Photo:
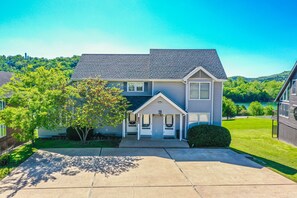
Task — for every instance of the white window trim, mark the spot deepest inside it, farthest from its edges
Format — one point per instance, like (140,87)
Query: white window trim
(294,80)
(135,89)
(209,121)
(209,93)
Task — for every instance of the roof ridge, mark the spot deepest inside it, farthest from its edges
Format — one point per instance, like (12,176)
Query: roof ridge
(116,54)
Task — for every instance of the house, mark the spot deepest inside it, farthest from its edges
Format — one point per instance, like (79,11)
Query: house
(287,109)
(169,90)
(6,139)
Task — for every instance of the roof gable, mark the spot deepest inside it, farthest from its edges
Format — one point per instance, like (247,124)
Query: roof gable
(291,75)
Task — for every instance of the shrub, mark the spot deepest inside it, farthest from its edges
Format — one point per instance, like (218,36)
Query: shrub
(243,112)
(72,134)
(4,159)
(268,110)
(256,109)
(209,136)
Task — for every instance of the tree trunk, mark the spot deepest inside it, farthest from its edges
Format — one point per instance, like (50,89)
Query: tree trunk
(77,131)
(32,137)
(85,135)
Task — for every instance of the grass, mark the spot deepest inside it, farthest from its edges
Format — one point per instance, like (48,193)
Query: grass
(253,136)
(17,156)
(20,154)
(49,143)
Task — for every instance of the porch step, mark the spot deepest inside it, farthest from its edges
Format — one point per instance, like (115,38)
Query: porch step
(153,143)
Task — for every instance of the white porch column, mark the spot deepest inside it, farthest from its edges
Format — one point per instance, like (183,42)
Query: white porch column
(138,126)
(180,126)
(124,128)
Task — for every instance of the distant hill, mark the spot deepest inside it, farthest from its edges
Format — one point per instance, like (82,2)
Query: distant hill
(278,77)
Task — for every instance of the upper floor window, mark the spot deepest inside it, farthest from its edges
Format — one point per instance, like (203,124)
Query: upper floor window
(294,87)
(135,86)
(286,94)
(199,90)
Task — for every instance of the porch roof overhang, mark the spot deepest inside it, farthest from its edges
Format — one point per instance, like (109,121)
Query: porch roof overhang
(175,106)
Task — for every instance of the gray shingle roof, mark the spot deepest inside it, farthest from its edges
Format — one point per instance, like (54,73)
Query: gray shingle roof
(159,64)
(4,77)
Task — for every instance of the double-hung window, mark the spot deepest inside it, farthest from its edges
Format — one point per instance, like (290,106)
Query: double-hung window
(135,86)
(199,90)
(198,119)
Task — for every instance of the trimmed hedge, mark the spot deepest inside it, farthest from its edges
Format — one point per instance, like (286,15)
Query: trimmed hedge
(72,134)
(209,136)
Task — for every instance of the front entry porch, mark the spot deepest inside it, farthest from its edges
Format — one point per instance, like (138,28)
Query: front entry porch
(130,141)
(158,118)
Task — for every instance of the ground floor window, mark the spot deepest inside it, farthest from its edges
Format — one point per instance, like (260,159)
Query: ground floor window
(198,119)
(284,110)
(2,131)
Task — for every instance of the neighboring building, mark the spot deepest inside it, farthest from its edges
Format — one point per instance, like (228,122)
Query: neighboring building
(6,139)
(287,109)
(170,89)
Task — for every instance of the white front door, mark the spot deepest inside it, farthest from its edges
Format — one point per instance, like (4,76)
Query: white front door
(146,124)
(131,123)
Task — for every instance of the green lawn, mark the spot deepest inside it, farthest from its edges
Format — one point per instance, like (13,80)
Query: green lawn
(17,156)
(253,136)
(48,143)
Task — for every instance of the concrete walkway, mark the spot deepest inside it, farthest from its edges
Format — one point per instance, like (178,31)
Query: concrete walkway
(132,142)
(136,172)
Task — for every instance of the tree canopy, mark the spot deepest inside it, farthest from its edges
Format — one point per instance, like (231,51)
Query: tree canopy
(34,99)
(240,90)
(93,104)
(17,63)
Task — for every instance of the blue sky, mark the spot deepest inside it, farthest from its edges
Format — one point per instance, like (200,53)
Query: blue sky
(252,37)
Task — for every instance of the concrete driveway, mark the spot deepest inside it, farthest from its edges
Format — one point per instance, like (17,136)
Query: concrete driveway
(135,172)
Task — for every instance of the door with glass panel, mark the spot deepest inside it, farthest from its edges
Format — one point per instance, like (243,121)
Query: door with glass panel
(169,125)
(131,123)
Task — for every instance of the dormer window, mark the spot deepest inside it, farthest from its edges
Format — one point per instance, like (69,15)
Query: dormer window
(135,86)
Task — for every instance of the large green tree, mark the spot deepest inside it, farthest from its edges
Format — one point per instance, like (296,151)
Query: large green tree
(229,108)
(94,104)
(34,99)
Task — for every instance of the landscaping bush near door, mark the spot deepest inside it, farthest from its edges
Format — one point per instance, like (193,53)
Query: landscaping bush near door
(209,136)
(72,134)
